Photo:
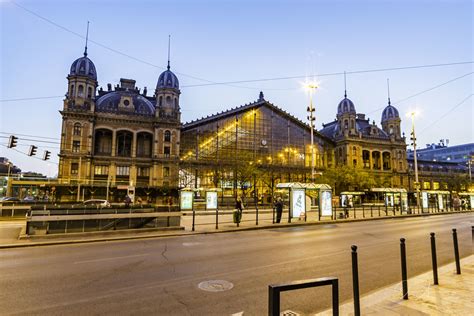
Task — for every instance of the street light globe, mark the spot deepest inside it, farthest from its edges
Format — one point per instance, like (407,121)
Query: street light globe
(310,86)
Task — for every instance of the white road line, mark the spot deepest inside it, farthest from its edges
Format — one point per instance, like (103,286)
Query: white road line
(111,258)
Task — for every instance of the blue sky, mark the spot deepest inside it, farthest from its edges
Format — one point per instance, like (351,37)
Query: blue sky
(224,41)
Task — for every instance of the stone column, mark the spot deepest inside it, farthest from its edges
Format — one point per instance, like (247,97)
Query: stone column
(114,142)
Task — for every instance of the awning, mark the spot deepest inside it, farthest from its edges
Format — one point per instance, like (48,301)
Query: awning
(436,192)
(307,186)
(389,190)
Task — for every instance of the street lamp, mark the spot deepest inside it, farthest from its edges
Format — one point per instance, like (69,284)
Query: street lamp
(310,87)
(412,114)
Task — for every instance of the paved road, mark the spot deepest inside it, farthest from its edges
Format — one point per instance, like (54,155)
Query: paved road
(161,276)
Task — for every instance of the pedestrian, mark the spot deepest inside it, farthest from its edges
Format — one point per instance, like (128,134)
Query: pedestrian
(128,200)
(239,206)
(279,209)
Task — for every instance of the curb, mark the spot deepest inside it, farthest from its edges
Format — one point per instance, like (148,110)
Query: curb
(236,229)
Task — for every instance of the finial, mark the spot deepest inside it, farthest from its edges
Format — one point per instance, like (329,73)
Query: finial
(169,45)
(388,90)
(260,96)
(345,88)
(87,37)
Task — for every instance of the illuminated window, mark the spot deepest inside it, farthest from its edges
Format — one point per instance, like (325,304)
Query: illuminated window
(426,185)
(143,172)
(123,170)
(74,168)
(77,129)
(101,170)
(76,146)
(166,171)
(435,185)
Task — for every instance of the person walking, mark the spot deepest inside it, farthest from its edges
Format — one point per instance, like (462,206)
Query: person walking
(239,206)
(279,209)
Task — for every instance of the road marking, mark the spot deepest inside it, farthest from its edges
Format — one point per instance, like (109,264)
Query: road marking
(111,258)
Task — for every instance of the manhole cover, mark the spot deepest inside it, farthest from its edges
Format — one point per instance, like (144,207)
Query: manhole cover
(289,313)
(215,285)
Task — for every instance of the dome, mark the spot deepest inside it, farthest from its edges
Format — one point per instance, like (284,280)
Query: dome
(167,79)
(110,103)
(346,106)
(390,112)
(83,67)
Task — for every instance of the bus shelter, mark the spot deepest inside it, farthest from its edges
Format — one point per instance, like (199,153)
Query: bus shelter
(467,200)
(435,199)
(351,198)
(300,195)
(392,197)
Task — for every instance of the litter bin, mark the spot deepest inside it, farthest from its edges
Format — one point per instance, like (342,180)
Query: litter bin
(237,216)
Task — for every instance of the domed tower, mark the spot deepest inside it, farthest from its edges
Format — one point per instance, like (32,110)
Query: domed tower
(82,84)
(346,117)
(391,120)
(167,96)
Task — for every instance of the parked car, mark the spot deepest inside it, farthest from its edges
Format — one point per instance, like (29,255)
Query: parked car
(29,199)
(97,203)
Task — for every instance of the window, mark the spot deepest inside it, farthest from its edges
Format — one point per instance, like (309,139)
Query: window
(123,170)
(176,103)
(167,136)
(101,170)
(144,144)
(72,91)
(124,143)
(80,91)
(346,124)
(354,162)
(143,172)
(167,151)
(160,101)
(74,168)
(426,185)
(89,93)
(354,150)
(400,166)
(168,101)
(435,185)
(77,129)
(166,171)
(103,142)
(76,146)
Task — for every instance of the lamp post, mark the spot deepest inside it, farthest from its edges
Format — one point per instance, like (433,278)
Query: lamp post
(310,87)
(415,158)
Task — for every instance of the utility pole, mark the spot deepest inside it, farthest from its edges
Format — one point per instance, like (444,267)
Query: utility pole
(415,158)
(311,87)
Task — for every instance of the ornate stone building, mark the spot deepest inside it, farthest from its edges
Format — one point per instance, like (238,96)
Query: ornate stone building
(120,137)
(362,144)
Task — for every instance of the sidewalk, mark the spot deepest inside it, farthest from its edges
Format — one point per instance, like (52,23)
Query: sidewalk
(453,296)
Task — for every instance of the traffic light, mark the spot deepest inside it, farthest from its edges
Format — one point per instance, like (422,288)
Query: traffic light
(46,155)
(12,141)
(32,150)
(413,139)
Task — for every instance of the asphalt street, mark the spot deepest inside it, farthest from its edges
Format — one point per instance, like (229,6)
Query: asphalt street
(162,276)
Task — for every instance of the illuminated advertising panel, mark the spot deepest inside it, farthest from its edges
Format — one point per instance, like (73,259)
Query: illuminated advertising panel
(211,200)
(186,200)
(471,198)
(325,203)
(424,199)
(440,202)
(297,203)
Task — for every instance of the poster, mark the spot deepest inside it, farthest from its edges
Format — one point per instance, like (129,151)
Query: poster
(297,202)
(424,199)
(404,197)
(440,202)
(211,200)
(325,203)
(186,202)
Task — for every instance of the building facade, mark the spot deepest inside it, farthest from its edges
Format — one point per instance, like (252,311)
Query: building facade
(120,137)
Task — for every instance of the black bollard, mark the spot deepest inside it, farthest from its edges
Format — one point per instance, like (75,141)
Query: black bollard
(434,261)
(403,256)
(194,215)
(355,281)
(456,251)
(217,218)
(273,215)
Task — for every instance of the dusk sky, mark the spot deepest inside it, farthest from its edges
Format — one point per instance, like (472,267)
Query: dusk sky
(226,41)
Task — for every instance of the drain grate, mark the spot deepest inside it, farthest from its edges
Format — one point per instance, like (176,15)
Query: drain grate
(215,285)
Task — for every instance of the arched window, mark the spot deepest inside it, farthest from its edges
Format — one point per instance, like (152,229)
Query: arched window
(103,142)
(80,90)
(176,103)
(167,136)
(72,93)
(124,143)
(160,101)
(354,150)
(352,124)
(77,129)
(168,101)
(346,124)
(89,93)
(144,141)
(390,129)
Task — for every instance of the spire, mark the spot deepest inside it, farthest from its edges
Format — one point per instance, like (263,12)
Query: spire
(169,45)
(87,38)
(388,91)
(345,88)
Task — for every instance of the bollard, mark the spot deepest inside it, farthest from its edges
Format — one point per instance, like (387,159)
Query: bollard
(472,229)
(355,281)
(434,261)
(403,257)
(217,218)
(194,214)
(456,251)
(256,216)
(273,215)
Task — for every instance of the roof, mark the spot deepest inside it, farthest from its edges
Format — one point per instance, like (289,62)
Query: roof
(261,102)
(110,101)
(363,126)
(307,186)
